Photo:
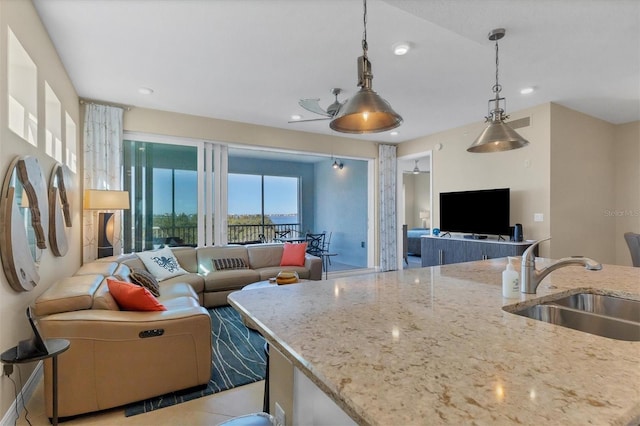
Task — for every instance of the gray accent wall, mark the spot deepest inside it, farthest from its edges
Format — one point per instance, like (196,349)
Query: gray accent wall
(341,208)
(331,200)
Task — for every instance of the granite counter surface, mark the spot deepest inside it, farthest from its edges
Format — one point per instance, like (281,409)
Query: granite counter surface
(434,346)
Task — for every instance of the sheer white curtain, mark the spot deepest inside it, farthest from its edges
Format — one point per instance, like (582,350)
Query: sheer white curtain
(388,223)
(102,156)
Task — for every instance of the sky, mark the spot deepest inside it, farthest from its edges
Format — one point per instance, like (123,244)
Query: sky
(280,193)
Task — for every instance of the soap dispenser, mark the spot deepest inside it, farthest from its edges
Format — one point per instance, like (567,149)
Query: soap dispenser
(510,281)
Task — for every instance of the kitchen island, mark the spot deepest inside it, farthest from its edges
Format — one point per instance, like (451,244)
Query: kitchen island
(434,346)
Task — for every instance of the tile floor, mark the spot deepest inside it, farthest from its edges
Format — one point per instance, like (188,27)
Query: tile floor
(210,410)
(413,262)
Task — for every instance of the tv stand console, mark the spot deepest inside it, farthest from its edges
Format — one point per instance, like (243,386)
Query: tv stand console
(443,251)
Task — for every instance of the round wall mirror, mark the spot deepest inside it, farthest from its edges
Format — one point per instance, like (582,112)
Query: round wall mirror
(24,222)
(59,209)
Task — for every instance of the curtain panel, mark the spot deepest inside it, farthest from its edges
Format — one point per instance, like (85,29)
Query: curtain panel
(388,220)
(103,133)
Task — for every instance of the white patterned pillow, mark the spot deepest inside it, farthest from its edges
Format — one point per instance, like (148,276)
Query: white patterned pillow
(161,263)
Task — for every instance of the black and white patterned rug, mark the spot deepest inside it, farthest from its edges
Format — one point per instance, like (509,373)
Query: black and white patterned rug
(238,359)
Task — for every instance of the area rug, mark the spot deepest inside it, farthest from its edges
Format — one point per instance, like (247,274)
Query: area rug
(238,359)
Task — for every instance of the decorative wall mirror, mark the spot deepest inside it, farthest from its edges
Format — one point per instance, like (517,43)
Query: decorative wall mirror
(59,209)
(24,222)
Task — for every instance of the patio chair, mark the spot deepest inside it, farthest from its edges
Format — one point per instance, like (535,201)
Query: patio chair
(327,243)
(174,241)
(280,233)
(315,244)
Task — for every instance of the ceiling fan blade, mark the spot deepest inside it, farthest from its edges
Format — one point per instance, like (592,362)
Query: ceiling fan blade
(311,119)
(334,108)
(313,105)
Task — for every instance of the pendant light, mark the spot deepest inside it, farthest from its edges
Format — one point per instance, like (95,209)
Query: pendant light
(366,111)
(416,169)
(498,136)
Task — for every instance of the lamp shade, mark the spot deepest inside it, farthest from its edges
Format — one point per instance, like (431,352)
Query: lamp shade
(365,112)
(97,199)
(498,136)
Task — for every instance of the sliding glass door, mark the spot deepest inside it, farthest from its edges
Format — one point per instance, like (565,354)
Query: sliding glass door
(162,180)
(183,194)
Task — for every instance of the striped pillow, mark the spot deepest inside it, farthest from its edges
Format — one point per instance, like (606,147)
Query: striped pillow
(145,279)
(229,263)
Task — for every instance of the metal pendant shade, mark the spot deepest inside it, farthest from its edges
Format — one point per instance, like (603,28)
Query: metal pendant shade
(366,111)
(498,136)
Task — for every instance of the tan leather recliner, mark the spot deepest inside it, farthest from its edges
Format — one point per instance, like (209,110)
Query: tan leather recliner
(119,357)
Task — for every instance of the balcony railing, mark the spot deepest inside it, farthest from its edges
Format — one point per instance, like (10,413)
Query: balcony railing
(237,234)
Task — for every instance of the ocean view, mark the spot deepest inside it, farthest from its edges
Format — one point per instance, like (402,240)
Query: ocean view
(280,219)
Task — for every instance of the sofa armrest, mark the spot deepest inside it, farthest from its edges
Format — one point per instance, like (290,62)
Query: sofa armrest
(314,265)
(119,357)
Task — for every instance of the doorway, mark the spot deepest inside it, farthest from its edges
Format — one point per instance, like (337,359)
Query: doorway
(414,206)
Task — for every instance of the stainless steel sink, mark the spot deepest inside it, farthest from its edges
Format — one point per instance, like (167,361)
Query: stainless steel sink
(606,316)
(611,306)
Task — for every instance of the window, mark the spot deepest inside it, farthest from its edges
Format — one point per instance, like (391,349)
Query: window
(53,123)
(261,207)
(22,79)
(162,180)
(70,143)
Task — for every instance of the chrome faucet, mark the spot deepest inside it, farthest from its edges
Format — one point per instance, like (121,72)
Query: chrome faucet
(530,277)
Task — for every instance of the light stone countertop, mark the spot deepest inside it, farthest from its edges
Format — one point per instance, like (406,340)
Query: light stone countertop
(434,346)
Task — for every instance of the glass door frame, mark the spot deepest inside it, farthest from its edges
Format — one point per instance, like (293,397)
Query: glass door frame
(206,150)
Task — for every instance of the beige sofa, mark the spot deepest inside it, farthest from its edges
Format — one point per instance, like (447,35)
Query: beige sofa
(117,357)
(213,286)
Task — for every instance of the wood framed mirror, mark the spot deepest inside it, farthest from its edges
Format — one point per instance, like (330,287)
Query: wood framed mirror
(59,209)
(24,222)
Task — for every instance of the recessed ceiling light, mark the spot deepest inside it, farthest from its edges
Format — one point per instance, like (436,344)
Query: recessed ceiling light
(145,91)
(394,133)
(296,117)
(527,90)
(401,48)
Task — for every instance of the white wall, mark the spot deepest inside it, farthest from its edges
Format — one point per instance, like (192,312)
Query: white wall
(581,173)
(23,20)
(626,210)
(582,185)
(526,171)
(183,125)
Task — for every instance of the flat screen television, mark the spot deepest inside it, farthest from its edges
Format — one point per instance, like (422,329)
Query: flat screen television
(482,212)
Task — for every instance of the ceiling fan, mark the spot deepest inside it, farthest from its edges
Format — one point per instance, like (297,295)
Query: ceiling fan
(416,170)
(313,105)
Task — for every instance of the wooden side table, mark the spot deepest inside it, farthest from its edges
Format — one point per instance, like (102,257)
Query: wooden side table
(55,348)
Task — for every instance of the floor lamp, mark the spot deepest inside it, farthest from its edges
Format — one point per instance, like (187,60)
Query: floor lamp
(105,201)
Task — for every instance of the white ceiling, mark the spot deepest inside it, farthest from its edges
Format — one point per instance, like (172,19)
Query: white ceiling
(252,60)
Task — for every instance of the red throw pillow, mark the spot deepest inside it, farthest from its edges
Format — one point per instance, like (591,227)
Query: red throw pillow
(293,254)
(132,297)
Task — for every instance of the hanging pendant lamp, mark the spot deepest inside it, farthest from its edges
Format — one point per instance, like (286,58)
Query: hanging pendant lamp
(498,136)
(366,111)
(416,169)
